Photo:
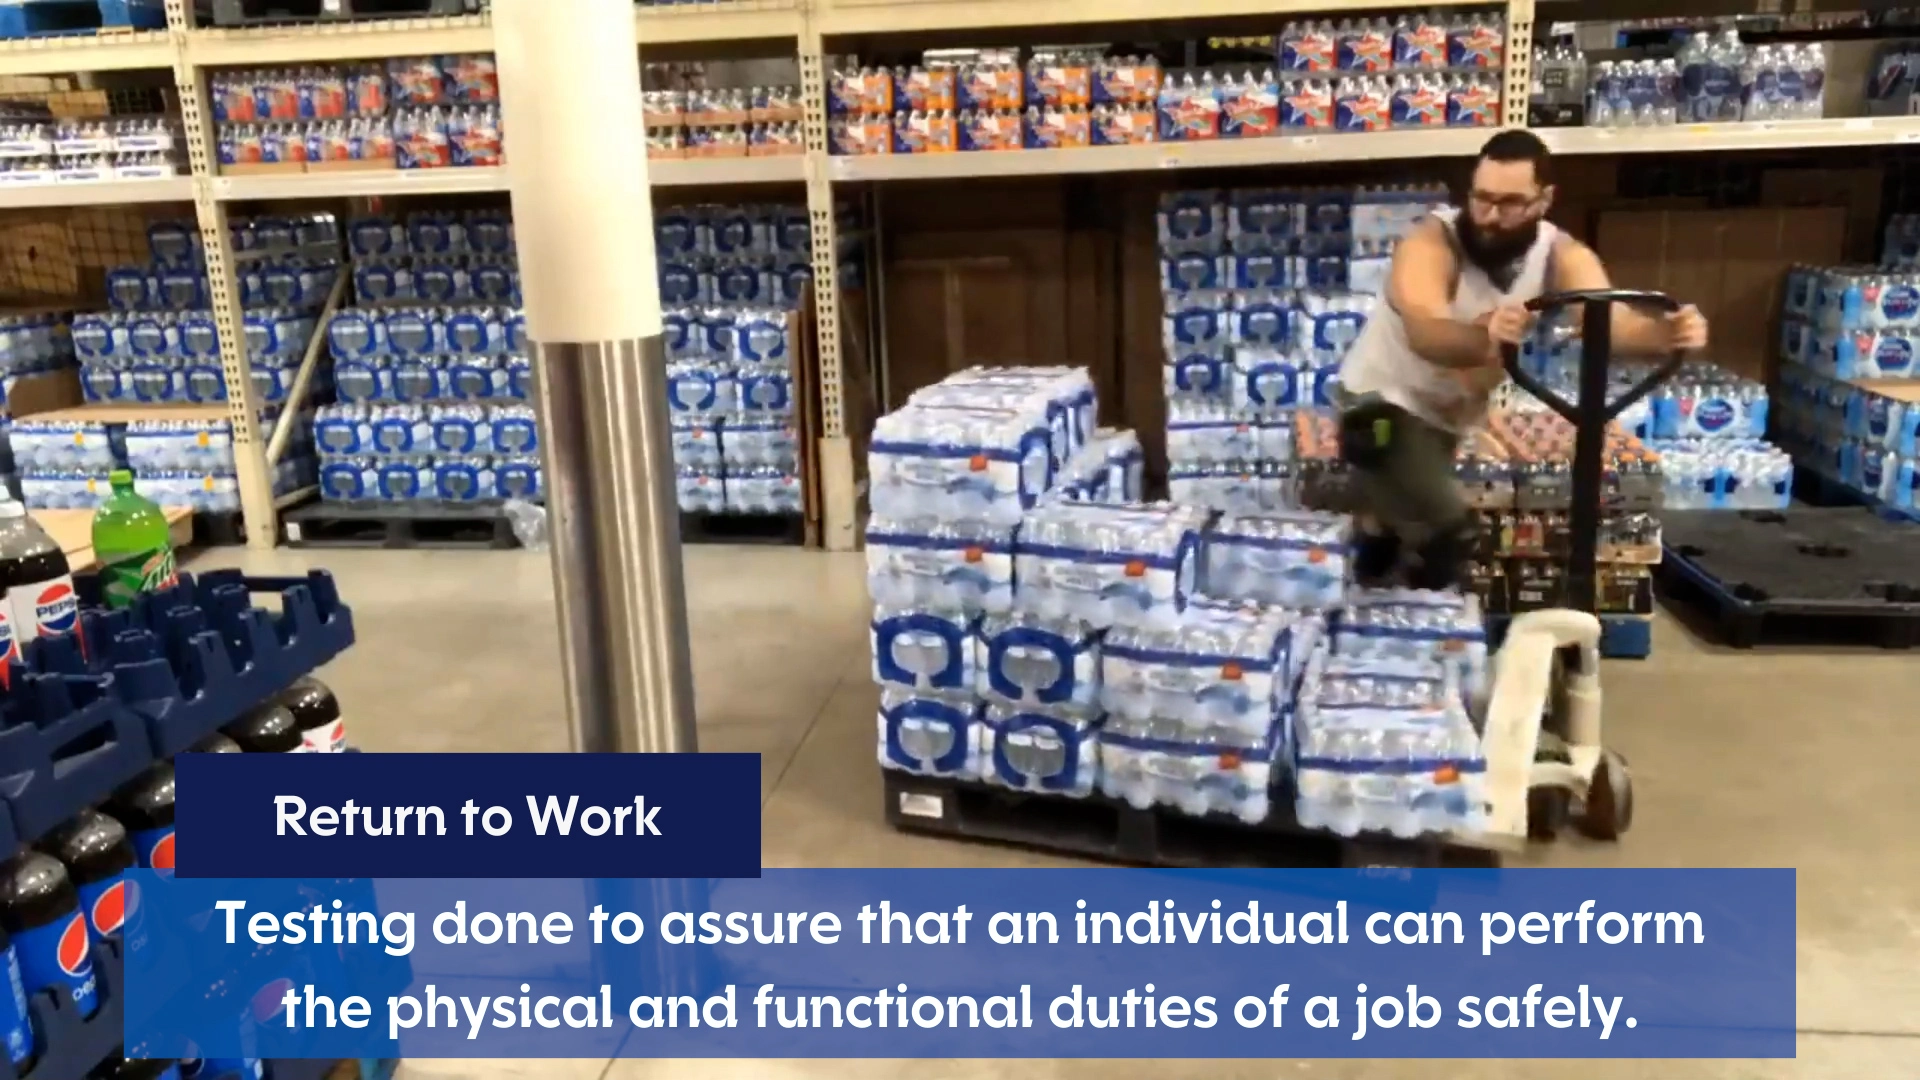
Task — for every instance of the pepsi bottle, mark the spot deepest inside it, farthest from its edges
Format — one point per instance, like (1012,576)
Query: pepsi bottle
(317,712)
(16,1024)
(145,807)
(39,597)
(96,851)
(268,729)
(41,911)
(215,743)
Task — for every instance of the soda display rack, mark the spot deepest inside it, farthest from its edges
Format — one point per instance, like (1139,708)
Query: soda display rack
(811,29)
(153,680)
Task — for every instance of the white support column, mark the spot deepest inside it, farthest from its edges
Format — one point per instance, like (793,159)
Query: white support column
(570,103)
(223,291)
(835,450)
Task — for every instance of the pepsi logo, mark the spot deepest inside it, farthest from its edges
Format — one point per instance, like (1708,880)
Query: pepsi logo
(161,857)
(109,912)
(72,955)
(270,1000)
(56,609)
(1713,414)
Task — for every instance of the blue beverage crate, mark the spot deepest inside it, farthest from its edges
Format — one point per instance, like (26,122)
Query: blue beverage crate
(53,18)
(66,742)
(192,658)
(66,1044)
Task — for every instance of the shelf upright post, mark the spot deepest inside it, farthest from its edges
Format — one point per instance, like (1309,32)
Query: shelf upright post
(1519,64)
(223,290)
(838,493)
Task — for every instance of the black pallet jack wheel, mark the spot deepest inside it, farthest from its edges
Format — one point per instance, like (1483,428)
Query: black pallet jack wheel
(1549,808)
(1608,813)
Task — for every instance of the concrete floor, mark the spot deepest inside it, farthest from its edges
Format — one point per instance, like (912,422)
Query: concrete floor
(1776,758)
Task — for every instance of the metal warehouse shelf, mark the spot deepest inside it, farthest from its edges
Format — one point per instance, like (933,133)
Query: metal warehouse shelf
(310,42)
(1223,153)
(893,16)
(359,184)
(806,27)
(103,52)
(96,193)
(1763,135)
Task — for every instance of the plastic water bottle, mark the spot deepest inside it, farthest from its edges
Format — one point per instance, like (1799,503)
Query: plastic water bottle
(130,538)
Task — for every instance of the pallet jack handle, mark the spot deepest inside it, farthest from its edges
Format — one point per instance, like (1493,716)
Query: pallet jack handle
(1590,414)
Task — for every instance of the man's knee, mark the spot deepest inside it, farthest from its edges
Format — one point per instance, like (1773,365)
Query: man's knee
(1447,555)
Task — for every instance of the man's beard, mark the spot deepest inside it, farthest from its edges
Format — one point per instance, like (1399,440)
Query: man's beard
(1495,250)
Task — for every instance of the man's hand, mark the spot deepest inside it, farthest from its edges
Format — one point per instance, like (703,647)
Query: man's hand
(1509,324)
(1687,328)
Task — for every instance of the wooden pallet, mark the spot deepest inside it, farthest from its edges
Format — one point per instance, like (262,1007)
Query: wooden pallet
(482,527)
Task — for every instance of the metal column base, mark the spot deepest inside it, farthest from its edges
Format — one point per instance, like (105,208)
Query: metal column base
(614,522)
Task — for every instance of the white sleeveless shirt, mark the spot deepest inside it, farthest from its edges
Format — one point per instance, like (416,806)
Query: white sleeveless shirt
(1382,362)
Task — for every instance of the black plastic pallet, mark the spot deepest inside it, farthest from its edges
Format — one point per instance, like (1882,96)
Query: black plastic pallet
(1823,575)
(219,530)
(1816,488)
(1109,830)
(404,525)
(704,528)
(257,12)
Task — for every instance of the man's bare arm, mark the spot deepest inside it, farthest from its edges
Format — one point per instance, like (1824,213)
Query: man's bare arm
(1419,288)
(1577,268)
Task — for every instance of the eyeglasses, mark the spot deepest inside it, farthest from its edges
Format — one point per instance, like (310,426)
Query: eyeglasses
(1509,207)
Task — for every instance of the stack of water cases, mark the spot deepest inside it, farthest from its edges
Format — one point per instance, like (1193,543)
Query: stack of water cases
(64,464)
(430,367)
(731,279)
(1710,78)
(157,342)
(1850,386)
(1038,627)
(30,345)
(1263,292)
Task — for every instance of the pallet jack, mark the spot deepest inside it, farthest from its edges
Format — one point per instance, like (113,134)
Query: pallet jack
(1546,764)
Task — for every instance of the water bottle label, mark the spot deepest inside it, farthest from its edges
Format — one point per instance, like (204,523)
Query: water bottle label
(155,849)
(328,739)
(125,577)
(48,607)
(59,955)
(105,905)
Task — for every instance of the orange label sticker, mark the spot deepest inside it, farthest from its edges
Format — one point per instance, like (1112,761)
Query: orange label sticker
(1316,555)
(1136,568)
(1229,760)
(974,554)
(1446,774)
(1230,671)
(1453,645)
(977,463)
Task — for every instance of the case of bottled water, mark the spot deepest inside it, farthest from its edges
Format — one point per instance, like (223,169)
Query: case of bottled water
(700,492)
(1220,665)
(928,563)
(1108,469)
(1704,401)
(1385,744)
(1725,474)
(1109,565)
(962,463)
(762,489)
(1050,749)
(1415,625)
(927,649)
(1067,392)
(1207,771)
(1030,659)
(1296,559)
(1233,487)
(1216,434)
(932,733)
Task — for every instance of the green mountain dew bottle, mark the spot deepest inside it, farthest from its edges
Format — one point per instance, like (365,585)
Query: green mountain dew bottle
(130,540)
